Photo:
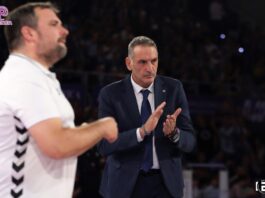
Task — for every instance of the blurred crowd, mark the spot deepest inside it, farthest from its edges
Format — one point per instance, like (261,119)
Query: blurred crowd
(219,58)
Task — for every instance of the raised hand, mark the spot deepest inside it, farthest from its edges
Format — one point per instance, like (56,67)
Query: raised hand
(152,121)
(110,129)
(169,124)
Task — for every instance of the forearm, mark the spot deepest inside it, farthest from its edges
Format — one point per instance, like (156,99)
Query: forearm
(78,140)
(58,142)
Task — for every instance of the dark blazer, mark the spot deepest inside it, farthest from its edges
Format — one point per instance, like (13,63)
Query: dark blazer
(125,154)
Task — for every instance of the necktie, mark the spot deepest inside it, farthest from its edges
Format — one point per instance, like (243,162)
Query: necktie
(147,162)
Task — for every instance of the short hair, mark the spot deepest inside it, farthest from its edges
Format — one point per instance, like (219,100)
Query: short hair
(23,15)
(140,40)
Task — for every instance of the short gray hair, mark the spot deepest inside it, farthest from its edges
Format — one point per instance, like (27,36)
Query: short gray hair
(140,40)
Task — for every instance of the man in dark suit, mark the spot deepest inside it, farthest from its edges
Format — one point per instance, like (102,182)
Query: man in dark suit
(154,129)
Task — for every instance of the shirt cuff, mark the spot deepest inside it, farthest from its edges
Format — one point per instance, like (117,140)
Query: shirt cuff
(139,138)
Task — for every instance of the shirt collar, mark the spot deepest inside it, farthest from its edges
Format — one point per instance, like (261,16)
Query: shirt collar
(137,88)
(41,67)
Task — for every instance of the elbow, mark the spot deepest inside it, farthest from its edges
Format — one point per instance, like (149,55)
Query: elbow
(188,144)
(192,145)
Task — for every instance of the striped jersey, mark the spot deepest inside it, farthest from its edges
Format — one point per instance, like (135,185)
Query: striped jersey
(30,93)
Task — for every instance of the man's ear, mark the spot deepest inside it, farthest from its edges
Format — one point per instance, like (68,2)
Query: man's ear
(128,63)
(28,33)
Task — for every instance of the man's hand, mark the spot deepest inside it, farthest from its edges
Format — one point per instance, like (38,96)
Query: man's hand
(110,129)
(169,125)
(152,121)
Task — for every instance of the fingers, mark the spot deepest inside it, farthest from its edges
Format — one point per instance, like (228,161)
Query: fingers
(174,115)
(177,112)
(152,121)
(161,106)
(169,125)
(170,122)
(159,110)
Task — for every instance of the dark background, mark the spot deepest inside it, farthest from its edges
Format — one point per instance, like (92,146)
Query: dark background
(215,47)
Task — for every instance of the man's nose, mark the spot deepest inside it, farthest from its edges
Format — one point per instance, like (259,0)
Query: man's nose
(149,66)
(65,31)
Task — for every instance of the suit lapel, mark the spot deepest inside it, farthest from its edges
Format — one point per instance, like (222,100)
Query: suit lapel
(130,102)
(160,91)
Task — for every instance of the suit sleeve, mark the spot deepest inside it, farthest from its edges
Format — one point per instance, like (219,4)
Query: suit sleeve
(187,140)
(126,139)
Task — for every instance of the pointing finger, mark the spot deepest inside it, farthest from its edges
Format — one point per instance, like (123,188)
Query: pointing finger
(177,112)
(161,106)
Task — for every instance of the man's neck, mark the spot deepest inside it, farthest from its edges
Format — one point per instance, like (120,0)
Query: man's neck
(33,56)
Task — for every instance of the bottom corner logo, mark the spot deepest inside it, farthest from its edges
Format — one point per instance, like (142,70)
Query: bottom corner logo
(260,186)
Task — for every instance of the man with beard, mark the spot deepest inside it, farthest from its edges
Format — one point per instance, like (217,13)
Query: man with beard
(154,129)
(39,142)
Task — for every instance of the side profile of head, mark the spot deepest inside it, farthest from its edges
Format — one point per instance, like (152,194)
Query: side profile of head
(142,60)
(37,31)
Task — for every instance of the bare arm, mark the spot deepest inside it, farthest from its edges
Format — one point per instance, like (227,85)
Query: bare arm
(58,142)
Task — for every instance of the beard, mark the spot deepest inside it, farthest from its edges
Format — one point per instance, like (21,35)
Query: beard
(53,55)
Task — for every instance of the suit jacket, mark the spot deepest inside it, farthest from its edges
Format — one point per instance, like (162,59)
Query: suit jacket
(125,154)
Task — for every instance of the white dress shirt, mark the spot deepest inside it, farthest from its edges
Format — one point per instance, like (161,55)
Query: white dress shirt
(151,98)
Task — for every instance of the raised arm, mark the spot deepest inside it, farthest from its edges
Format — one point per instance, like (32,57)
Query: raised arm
(58,142)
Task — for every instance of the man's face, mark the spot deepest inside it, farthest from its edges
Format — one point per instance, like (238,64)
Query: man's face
(51,36)
(143,64)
